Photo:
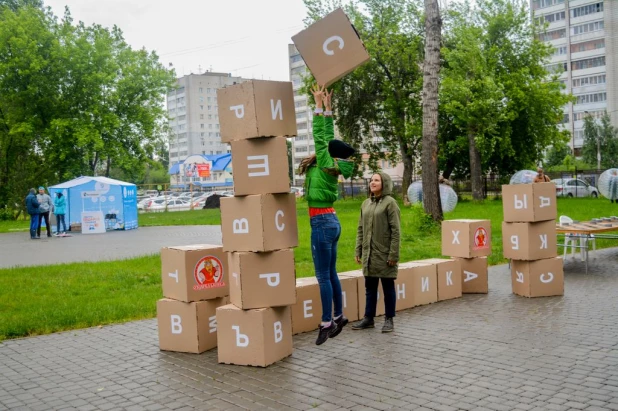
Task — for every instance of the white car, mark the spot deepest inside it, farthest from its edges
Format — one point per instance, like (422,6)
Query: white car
(170,205)
(574,187)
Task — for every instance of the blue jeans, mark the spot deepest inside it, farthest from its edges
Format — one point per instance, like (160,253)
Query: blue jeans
(60,218)
(34,224)
(325,232)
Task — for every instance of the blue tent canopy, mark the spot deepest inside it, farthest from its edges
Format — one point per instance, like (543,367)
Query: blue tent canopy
(114,200)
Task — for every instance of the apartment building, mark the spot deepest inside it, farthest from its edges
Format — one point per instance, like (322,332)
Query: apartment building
(193,116)
(303,145)
(583,34)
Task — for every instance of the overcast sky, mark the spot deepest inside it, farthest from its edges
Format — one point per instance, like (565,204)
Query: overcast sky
(248,38)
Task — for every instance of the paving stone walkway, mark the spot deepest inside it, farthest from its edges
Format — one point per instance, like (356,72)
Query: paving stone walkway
(480,352)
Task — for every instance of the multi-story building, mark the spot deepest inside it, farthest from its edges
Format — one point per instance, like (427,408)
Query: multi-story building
(194,119)
(303,145)
(583,34)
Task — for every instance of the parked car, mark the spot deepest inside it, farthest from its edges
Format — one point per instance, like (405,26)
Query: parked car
(298,191)
(574,187)
(170,205)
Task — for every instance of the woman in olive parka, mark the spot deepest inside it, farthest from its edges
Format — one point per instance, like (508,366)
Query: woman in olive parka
(377,248)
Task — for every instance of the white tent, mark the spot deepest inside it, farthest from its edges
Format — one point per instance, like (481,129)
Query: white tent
(99,203)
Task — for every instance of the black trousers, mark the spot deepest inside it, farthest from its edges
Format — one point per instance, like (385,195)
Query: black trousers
(43,216)
(371,294)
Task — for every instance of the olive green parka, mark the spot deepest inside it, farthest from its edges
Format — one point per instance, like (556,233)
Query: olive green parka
(378,233)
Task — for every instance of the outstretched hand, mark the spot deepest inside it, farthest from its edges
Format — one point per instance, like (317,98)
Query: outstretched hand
(327,97)
(318,95)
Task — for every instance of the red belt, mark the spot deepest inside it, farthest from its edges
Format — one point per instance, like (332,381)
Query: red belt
(319,211)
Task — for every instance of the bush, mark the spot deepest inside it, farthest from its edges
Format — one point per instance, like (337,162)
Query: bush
(7,214)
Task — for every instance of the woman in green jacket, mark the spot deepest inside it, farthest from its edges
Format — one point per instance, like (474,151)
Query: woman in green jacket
(321,190)
(377,248)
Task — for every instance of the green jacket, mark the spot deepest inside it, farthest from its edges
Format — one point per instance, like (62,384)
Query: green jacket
(321,187)
(378,233)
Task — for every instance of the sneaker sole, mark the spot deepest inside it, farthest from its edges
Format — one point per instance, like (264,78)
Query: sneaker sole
(387,331)
(364,328)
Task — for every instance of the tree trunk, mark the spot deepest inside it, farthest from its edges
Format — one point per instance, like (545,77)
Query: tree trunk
(476,175)
(431,191)
(408,164)
(108,166)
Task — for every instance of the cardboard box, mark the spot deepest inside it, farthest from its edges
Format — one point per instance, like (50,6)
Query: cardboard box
(526,203)
(540,278)
(529,241)
(256,108)
(260,166)
(466,238)
(257,223)
(416,284)
(349,290)
(449,277)
(331,47)
(262,280)
(254,337)
(194,272)
(475,278)
(307,312)
(188,327)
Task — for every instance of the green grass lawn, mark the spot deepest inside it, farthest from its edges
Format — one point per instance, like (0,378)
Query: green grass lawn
(45,299)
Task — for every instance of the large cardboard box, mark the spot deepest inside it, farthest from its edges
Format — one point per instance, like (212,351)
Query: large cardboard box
(306,313)
(256,108)
(449,277)
(331,47)
(475,277)
(257,223)
(260,166)
(529,202)
(529,241)
(416,284)
(466,238)
(188,327)
(194,272)
(349,290)
(262,280)
(253,337)
(540,278)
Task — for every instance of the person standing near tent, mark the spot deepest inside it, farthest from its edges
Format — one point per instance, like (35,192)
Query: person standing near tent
(59,211)
(32,206)
(45,206)
(322,171)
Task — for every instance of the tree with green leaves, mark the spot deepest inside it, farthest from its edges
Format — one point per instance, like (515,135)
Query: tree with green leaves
(378,105)
(600,139)
(74,100)
(497,93)
(556,155)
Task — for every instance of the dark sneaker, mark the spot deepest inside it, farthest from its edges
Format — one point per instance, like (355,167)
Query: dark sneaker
(340,323)
(364,324)
(388,326)
(324,332)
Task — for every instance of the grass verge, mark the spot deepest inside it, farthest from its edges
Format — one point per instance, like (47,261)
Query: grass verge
(46,299)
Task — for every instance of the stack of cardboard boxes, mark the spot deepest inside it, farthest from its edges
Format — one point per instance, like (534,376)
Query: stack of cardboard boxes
(195,283)
(529,239)
(258,224)
(470,242)
(418,283)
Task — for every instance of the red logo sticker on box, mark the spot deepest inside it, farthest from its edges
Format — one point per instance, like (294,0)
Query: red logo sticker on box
(480,238)
(208,273)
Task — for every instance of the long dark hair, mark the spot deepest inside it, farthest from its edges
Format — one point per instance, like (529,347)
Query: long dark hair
(306,163)
(311,161)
